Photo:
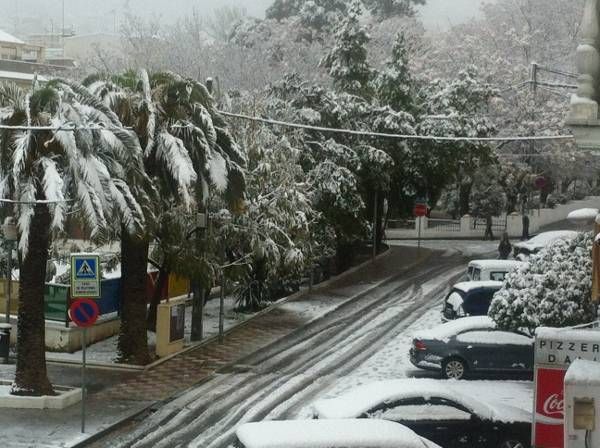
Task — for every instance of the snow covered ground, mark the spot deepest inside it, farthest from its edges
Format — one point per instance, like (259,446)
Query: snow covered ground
(469,248)
(106,351)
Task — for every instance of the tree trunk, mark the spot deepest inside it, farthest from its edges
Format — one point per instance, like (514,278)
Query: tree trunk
(31,377)
(464,199)
(163,277)
(133,339)
(198,312)
(547,191)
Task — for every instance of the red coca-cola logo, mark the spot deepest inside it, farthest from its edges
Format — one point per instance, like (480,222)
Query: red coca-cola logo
(554,405)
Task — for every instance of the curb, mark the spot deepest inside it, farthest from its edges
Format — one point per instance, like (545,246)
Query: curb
(304,291)
(421,259)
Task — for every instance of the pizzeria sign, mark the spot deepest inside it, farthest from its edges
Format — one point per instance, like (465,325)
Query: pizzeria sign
(555,350)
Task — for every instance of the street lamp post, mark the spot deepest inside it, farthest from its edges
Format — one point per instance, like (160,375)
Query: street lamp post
(10,234)
(197,332)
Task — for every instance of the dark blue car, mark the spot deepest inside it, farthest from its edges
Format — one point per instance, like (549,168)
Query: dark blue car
(469,299)
(471,344)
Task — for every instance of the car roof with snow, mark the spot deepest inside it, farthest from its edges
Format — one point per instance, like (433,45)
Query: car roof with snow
(361,399)
(469,286)
(445,331)
(496,264)
(546,238)
(350,433)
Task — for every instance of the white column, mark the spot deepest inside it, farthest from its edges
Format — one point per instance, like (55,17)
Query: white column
(584,105)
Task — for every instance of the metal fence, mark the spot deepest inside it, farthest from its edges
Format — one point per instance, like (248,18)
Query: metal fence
(444,225)
(401,224)
(498,224)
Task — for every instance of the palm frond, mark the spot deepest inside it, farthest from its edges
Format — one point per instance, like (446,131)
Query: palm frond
(26,194)
(23,144)
(53,185)
(172,152)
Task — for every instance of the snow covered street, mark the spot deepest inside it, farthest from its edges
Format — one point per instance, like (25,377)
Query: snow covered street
(360,342)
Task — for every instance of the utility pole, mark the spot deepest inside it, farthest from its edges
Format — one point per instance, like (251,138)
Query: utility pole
(16,21)
(533,88)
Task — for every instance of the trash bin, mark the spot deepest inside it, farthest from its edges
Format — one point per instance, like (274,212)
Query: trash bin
(4,342)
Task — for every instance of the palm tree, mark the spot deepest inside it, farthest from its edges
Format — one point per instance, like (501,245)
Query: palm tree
(80,158)
(187,152)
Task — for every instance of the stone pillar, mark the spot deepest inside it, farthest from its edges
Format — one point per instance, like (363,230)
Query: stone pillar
(466,226)
(584,105)
(514,225)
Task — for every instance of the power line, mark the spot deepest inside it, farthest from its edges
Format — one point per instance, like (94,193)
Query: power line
(557,71)
(562,86)
(63,128)
(41,201)
(395,136)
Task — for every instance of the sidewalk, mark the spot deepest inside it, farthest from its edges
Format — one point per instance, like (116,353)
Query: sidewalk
(114,396)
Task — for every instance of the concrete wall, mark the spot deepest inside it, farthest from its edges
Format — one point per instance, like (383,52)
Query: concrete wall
(60,338)
(447,229)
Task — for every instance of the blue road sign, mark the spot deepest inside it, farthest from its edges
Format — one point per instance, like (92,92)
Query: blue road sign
(85,276)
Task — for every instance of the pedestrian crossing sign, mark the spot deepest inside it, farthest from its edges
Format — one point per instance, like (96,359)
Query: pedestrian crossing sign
(85,276)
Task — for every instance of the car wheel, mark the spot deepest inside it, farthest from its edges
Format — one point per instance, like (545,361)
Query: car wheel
(454,369)
(511,444)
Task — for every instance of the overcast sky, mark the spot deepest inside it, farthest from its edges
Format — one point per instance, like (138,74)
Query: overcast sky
(81,13)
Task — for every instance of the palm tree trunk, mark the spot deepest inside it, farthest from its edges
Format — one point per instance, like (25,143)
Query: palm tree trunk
(31,377)
(133,339)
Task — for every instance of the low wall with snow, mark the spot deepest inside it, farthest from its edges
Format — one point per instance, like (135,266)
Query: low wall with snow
(469,227)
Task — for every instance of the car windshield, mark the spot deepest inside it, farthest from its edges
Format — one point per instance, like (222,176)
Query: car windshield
(417,412)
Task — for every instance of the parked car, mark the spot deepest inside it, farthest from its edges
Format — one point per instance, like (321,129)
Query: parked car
(495,270)
(469,299)
(349,433)
(524,249)
(436,410)
(472,344)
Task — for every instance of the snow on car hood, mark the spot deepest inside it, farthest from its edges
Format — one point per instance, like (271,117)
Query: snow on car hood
(361,399)
(545,239)
(445,331)
(361,433)
(469,286)
(583,214)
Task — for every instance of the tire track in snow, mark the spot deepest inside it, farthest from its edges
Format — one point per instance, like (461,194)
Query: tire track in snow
(288,368)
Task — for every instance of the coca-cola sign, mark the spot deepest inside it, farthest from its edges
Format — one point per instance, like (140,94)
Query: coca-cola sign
(553,406)
(549,408)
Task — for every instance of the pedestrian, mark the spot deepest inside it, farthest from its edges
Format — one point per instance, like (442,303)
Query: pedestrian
(504,247)
(525,235)
(489,234)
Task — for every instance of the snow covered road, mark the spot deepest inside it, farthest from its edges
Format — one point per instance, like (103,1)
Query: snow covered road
(361,341)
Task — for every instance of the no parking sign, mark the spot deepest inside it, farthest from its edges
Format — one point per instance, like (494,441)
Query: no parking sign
(84,313)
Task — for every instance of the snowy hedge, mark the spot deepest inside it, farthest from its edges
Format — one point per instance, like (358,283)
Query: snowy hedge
(553,289)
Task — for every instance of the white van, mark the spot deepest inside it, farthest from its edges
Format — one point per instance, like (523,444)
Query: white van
(495,270)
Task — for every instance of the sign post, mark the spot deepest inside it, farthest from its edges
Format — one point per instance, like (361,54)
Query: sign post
(83,312)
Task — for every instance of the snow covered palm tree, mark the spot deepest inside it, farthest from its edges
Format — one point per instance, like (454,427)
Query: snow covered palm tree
(187,152)
(67,154)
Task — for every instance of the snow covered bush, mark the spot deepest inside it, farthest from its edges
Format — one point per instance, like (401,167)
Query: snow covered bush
(552,289)
(275,237)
